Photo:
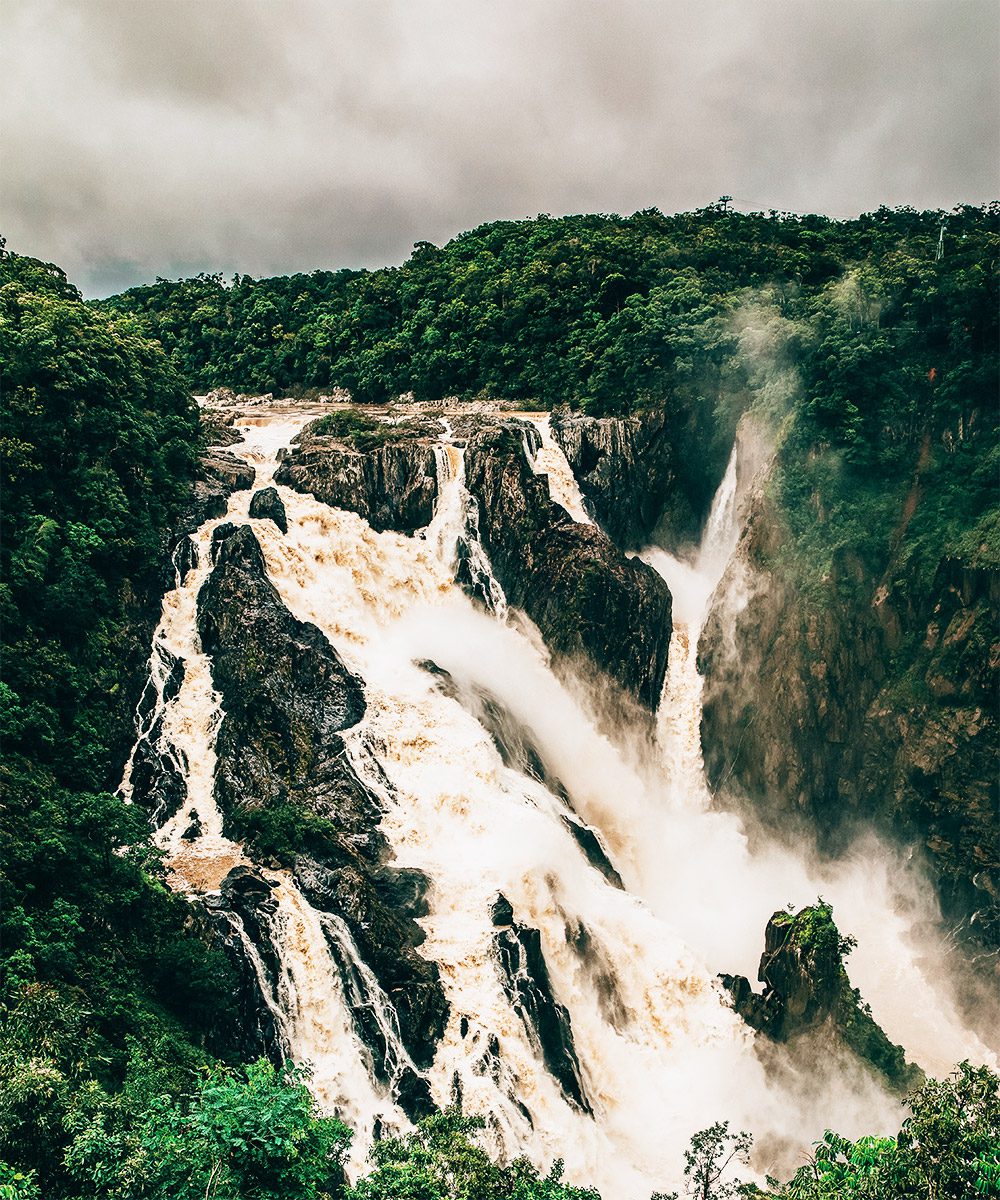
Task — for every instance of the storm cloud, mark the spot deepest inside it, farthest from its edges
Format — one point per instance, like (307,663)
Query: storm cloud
(165,137)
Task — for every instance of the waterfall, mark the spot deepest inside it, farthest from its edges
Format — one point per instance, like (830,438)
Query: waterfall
(454,530)
(632,962)
(692,579)
(551,461)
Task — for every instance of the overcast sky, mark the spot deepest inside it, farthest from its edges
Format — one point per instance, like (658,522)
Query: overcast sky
(166,137)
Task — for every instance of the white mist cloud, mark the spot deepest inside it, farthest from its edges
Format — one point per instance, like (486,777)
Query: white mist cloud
(146,137)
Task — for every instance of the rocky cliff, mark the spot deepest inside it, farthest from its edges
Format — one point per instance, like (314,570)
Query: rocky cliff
(285,784)
(640,473)
(591,603)
(873,698)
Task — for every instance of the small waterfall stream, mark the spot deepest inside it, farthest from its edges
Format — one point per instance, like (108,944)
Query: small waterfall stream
(551,461)
(660,1052)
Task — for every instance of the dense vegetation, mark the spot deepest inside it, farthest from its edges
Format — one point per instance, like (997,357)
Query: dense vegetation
(611,313)
(875,359)
(99,439)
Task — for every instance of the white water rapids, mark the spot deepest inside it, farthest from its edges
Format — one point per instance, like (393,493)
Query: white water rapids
(662,1055)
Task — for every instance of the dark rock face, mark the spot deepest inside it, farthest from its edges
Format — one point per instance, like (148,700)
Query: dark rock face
(590,602)
(218,427)
(876,704)
(266,505)
(518,953)
(157,782)
(392,485)
(639,473)
(185,557)
(285,784)
(806,985)
(219,475)
(240,921)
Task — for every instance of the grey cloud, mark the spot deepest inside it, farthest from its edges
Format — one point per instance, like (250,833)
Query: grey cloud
(146,137)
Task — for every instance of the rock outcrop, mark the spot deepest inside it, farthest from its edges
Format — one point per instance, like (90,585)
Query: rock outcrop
(390,478)
(806,986)
(219,475)
(240,918)
(874,700)
(266,505)
(592,604)
(518,953)
(285,784)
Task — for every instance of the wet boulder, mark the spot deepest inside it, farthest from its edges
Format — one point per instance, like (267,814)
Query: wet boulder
(266,505)
(384,473)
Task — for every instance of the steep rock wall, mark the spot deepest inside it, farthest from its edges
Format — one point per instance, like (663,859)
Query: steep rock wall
(871,700)
(643,473)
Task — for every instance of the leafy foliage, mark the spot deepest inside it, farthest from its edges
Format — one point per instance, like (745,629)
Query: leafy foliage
(248,1135)
(440,1160)
(948,1147)
(99,441)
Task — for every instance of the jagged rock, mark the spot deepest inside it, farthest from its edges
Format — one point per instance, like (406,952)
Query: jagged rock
(501,912)
(887,708)
(806,985)
(245,886)
(192,830)
(591,603)
(157,784)
(518,953)
(267,505)
(185,557)
(639,472)
(218,427)
(219,475)
(252,1031)
(285,783)
(386,938)
(392,484)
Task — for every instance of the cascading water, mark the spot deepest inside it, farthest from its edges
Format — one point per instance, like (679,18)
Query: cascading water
(551,461)
(692,580)
(455,528)
(659,1052)
(308,1004)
